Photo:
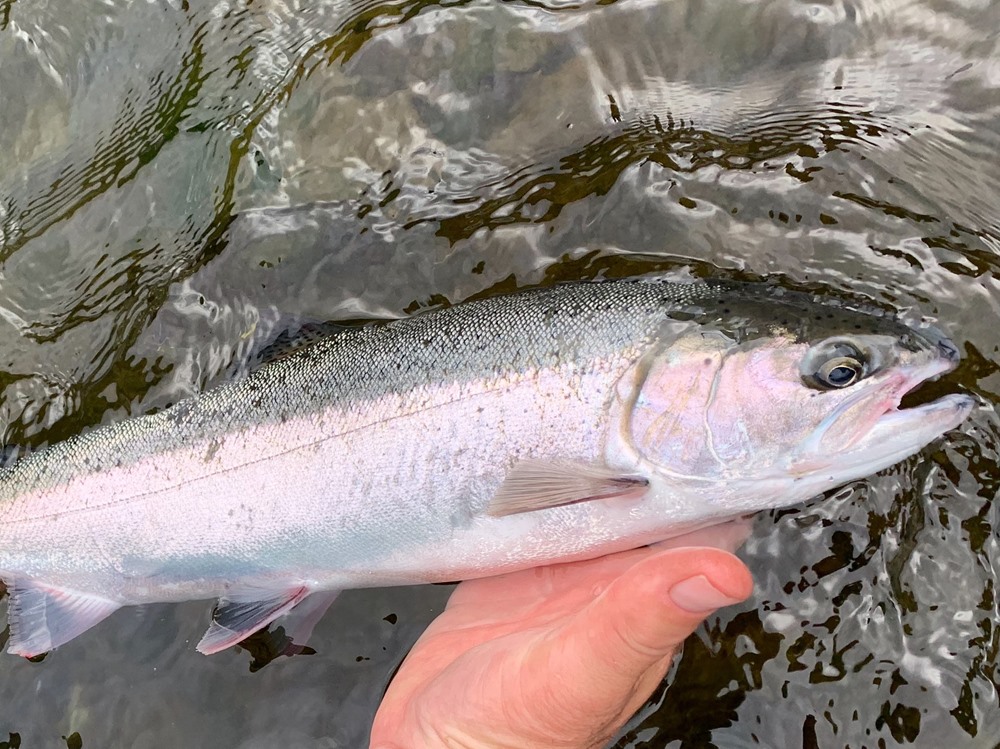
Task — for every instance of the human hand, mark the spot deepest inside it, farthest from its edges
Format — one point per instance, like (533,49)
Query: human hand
(558,656)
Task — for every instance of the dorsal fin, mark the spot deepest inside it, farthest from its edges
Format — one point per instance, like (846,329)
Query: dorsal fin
(294,339)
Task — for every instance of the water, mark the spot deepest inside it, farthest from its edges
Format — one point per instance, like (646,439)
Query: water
(179,182)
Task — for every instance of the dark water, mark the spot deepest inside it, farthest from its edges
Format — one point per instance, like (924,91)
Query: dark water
(179,181)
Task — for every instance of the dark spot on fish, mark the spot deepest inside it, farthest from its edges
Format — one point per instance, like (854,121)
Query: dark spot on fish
(177,413)
(391,618)
(708,361)
(213,448)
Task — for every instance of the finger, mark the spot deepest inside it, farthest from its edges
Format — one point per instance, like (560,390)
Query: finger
(639,621)
(529,586)
(729,536)
(581,580)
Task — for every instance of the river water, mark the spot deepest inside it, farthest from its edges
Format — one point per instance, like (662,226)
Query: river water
(180,181)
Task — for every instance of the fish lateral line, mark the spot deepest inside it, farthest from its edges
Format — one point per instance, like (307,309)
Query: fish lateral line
(229,469)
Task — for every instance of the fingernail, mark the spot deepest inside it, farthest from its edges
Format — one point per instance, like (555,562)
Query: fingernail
(697,595)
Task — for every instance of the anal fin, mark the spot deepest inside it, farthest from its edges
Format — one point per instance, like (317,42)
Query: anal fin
(43,617)
(242,612)
(536,485)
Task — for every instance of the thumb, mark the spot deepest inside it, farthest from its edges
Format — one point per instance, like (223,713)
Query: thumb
(623,642)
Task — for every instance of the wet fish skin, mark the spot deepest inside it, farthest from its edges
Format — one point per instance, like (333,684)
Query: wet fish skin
(386,455)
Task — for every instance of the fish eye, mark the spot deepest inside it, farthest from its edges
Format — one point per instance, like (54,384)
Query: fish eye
(840,372)
(835,364)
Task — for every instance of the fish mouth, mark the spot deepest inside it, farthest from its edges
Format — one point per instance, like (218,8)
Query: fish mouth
(886,433)
(940,415)
(900,433)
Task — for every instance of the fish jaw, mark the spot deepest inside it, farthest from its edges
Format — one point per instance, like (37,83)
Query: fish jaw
(898,434)
(887,434)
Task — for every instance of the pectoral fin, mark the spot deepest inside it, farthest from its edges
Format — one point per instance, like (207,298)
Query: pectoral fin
(44,617)
(536,485)
(242,612)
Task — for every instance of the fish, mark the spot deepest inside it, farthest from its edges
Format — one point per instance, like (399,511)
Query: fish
(550,425)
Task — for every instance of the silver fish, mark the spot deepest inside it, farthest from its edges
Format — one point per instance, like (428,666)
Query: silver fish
(496,435)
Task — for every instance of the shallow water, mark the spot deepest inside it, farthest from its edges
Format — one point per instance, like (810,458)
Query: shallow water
(179,182)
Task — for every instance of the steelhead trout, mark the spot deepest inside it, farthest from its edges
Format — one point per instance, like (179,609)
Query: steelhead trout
(549,425)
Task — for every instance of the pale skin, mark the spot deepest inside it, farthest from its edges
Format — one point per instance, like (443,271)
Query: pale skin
(558,657)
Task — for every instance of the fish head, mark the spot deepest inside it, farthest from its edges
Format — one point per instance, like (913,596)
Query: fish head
(786,395)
